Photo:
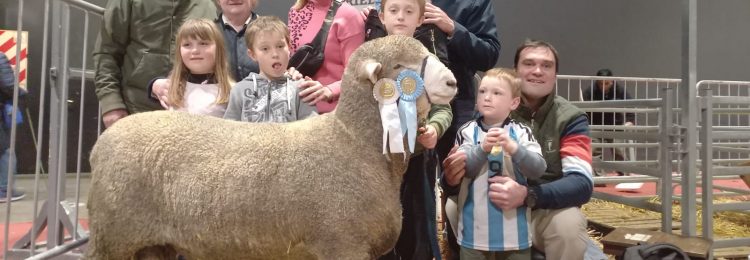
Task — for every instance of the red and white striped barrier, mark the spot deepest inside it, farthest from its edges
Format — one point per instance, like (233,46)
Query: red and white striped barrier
(8,44)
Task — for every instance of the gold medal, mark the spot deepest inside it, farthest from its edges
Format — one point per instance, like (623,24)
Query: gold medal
(388,90)
(385,91)
(408,85)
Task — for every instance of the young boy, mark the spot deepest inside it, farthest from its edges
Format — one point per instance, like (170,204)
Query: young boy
(496,148)
(418,238)
(270,96)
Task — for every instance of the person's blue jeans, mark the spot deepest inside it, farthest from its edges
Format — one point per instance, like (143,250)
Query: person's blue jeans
(4,161)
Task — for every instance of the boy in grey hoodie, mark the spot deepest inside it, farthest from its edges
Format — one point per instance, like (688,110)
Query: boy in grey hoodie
(272,95)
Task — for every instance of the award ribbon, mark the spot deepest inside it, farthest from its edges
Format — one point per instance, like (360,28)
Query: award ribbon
(386,93)
(411,86)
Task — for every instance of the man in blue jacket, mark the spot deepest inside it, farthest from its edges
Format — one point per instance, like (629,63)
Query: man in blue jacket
(473,46)
(7,86)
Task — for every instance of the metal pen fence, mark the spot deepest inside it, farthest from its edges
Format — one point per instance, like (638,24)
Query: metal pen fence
(645,143)
(60,213)
(724,150)
(724,146)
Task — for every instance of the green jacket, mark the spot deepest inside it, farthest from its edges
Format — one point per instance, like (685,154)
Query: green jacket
(136,44)
(440,117)
(549,124)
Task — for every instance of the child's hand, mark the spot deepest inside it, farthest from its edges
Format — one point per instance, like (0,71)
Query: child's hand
(314,92)
(499,137)
(427,137)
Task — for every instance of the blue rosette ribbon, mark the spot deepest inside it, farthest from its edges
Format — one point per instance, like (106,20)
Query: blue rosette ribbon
(411,86)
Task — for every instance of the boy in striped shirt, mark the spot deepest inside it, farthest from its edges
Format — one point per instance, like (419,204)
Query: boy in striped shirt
(495,146)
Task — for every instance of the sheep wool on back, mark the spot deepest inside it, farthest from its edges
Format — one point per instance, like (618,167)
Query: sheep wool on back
(167,183)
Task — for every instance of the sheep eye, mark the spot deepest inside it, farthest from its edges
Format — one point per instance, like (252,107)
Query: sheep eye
(397,66)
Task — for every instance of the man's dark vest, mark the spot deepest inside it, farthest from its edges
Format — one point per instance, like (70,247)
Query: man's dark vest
(547,124)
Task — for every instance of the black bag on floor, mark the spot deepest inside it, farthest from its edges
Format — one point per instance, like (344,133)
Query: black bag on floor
(657,251)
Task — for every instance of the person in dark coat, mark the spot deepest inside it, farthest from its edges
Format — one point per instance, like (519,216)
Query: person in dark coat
(7,86)
(608,90)
(473,45)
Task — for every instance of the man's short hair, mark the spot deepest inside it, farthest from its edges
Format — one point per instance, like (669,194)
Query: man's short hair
(529,43)
(604,73)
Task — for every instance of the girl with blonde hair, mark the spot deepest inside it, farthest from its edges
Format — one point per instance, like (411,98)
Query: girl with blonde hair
(200,80)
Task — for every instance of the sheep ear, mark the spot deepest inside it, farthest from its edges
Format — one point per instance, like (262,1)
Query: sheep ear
(371,70)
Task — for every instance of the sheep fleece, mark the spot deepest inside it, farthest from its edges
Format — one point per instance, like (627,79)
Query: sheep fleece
(209,188)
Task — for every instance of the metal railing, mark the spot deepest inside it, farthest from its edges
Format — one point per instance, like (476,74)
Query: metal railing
(649,141)
(725,149)
(59,214)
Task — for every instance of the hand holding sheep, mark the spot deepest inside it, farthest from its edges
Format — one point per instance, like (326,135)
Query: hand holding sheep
(313,92)
(499,137)
(427,136)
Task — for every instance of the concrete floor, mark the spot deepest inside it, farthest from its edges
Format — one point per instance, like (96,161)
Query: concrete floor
(22,210)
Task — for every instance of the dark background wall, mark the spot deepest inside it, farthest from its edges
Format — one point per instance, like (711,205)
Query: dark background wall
(637,38)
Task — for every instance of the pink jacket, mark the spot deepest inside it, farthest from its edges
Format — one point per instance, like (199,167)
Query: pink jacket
(347,32)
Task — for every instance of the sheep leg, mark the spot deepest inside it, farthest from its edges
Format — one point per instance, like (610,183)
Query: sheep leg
(156,253)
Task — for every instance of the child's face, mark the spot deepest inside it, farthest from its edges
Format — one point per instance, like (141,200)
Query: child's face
(401,17)
(271,51)
(199,56)
(495,100)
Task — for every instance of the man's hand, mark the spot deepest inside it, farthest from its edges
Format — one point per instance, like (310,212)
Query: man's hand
(314,92)
(436,16)
(454,166)
(506,193)
(427,137)
(294,74)
(159,90)
(112,116)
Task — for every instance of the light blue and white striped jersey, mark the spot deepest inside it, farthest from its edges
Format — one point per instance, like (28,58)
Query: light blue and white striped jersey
(482,225)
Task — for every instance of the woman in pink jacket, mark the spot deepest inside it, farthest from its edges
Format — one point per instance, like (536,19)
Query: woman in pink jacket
(346,33)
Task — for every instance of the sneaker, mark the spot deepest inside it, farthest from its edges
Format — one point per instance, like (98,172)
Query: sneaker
(17,195)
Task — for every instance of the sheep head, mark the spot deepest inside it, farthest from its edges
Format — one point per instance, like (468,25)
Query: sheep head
(392,54)
(387,57)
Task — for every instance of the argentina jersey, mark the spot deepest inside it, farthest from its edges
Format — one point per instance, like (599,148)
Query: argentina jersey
(482,225)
